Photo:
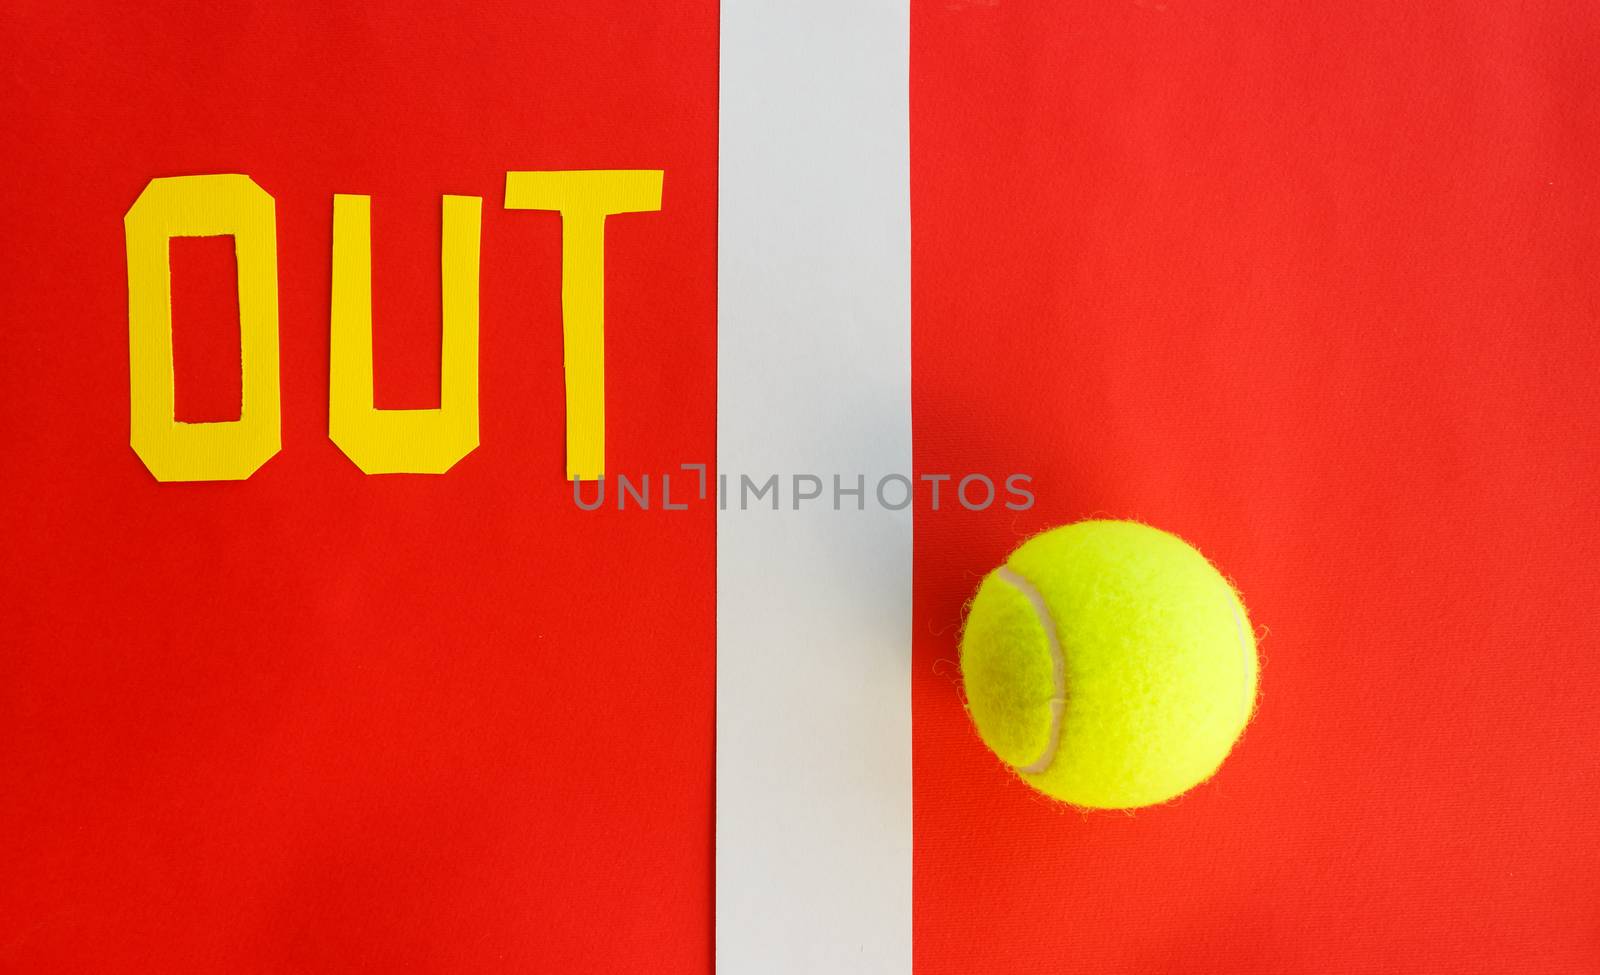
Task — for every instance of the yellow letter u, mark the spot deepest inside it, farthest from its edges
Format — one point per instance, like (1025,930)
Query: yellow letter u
(403,441)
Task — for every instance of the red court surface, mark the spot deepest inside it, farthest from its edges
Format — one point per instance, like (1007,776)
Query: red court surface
(1314,288)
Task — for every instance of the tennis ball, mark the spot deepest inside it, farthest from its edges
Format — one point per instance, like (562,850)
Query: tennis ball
(1109,664)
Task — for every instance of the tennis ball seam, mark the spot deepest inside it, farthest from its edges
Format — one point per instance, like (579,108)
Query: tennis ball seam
(1058,666)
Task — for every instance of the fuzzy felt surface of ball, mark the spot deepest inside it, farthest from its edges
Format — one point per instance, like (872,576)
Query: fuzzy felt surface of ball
(1109,664)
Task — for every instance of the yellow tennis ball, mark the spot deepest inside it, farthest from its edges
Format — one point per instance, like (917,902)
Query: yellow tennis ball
(1109,664)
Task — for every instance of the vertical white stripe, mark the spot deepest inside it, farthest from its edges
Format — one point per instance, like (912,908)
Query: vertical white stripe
(814,377)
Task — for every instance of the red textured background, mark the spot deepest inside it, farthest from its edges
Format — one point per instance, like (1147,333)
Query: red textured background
(318,721)
(1314,286)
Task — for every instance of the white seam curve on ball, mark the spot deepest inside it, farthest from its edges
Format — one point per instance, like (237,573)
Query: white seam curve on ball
(1058,667)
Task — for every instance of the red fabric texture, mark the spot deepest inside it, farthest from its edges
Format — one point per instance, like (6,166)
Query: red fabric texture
(1315,288)
(318,721)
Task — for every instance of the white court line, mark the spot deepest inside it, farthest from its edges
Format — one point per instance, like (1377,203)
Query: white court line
(814,376)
